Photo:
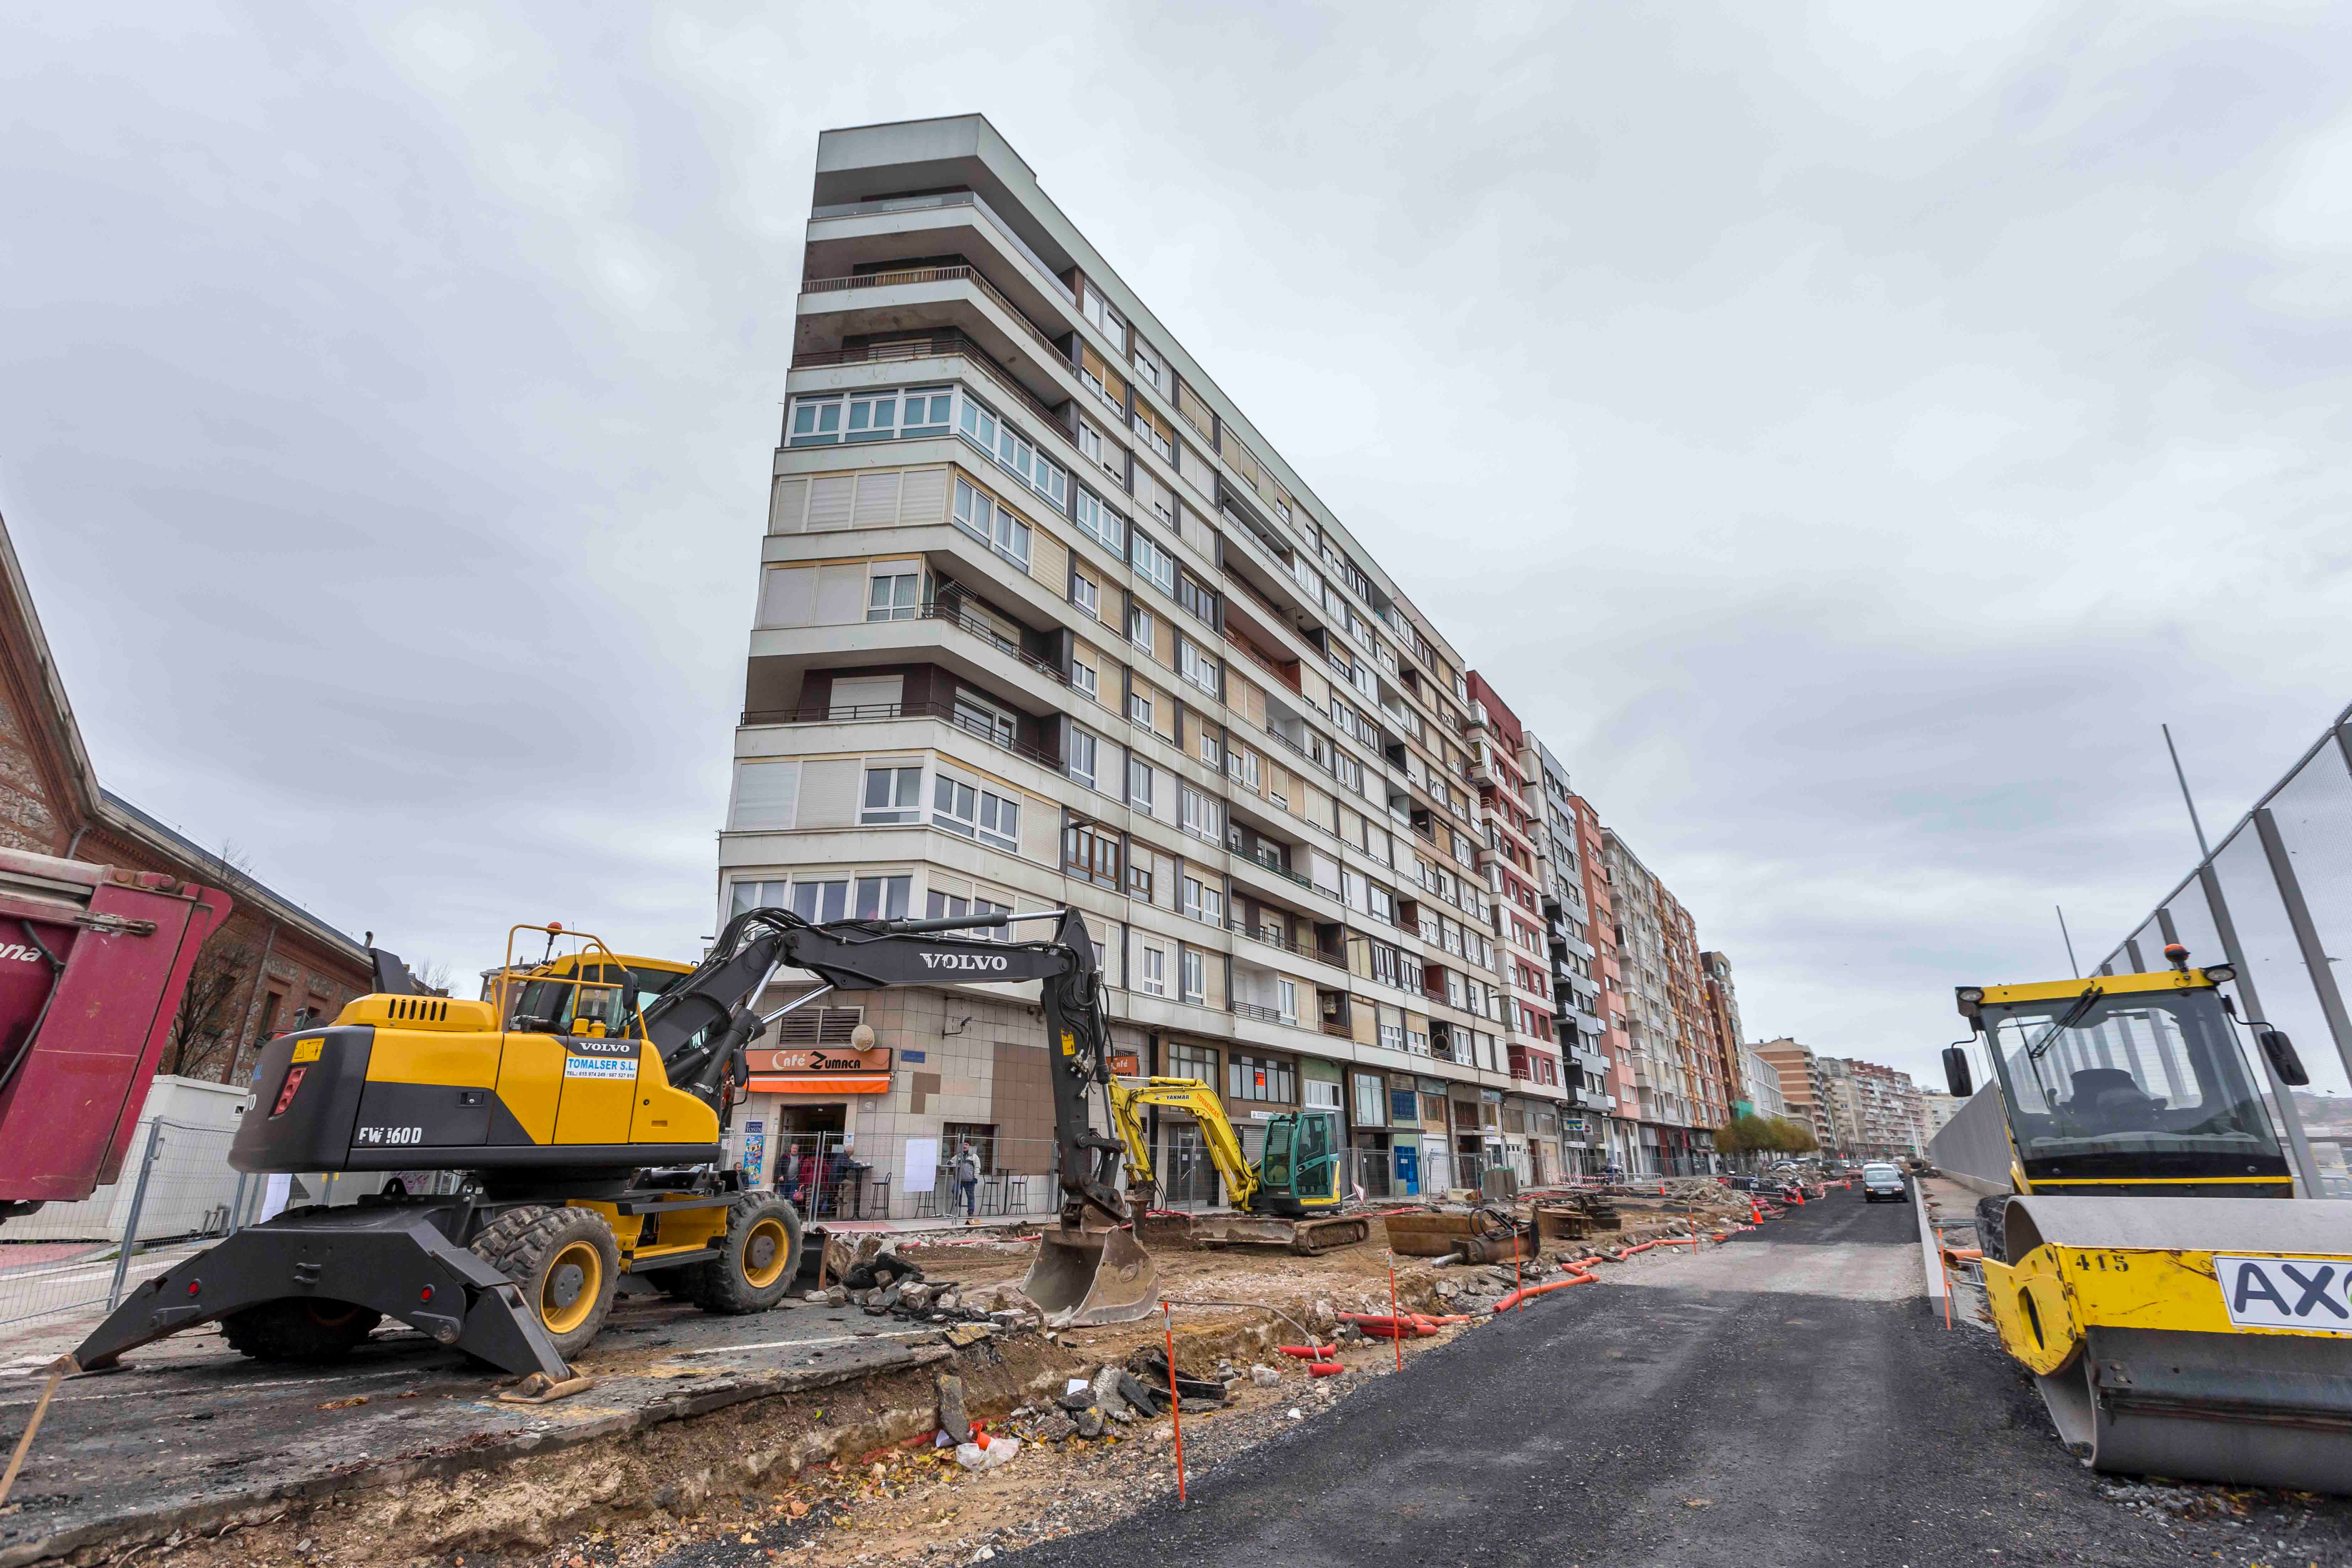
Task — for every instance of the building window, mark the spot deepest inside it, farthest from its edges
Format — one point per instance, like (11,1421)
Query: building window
(755,896)
(1157,433)
(980,813)
(1391,1027)
(1205,902)
(1011,452)
(1091,853)
(883,897)
(1083,677)
(1082,757)
(991,524)
(1151,971)
(1260,1079)
(1196,667)
(1086,594)
(981,1136)
(1196,1062)
(892,795)
(1212,751)
(1196,978)
(1199,816)
(1138,626)
(1148,368)
(1106,321)
(1139,880)
(821,901)
(1240,766)
(1099,523)
(1285,992)
(1372,1107)
(816,421)
(893,596)
(1154,562)
(1138,707)
(1138,784)
(1197,598)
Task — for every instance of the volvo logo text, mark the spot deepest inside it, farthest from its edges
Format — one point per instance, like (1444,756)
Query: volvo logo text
(961,961)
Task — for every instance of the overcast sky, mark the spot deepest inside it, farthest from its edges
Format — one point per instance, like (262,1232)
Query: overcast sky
(1843,433)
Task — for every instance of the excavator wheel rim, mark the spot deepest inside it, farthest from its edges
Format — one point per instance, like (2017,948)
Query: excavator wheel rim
(560,1316)
(768,1233)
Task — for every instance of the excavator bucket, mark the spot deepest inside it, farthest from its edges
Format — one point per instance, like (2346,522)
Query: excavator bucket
(2198,1338)
(1082,1277)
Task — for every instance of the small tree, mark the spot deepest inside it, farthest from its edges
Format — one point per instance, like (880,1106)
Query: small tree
(205,1028)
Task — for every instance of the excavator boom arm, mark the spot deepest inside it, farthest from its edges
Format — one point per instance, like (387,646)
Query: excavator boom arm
(1241,1178)
(702,1023)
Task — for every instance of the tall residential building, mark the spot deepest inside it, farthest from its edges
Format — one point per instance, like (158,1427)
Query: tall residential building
(1801,1088)
(1681,1068)
(1876,1109)
(1934,1111)
(1043,618)
(1760,1084)
(1576,981)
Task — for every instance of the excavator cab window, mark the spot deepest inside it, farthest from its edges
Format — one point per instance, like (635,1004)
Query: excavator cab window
(552,1005)
(1273,1166)
(1317,1168)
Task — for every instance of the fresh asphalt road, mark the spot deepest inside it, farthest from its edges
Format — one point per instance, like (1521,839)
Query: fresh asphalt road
(1784,1401)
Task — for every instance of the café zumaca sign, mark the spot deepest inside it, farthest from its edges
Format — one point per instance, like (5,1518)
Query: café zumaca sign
(821,1060)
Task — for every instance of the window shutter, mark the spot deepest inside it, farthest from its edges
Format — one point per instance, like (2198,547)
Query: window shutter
(767,794)
(829,793)
(878,501)
(924,495)
(788,506)
(829,502)
(840,595)
(1188,463)
(789,596)
(1196,412)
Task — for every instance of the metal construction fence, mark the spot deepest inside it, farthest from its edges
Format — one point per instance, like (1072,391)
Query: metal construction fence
(176,1193)
(2274,898)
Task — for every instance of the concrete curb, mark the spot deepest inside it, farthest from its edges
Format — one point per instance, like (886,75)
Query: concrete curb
(161,1521)
(1929,1263)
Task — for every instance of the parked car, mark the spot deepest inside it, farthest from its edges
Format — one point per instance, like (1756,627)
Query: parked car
(1880,1181)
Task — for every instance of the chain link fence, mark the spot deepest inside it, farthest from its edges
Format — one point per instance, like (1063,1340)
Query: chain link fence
(2274,898)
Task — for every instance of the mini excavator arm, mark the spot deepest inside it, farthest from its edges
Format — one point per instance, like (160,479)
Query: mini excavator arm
(702,1025)
(1241,1178)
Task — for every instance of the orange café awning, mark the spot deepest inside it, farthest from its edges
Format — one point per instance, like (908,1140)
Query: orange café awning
(821,1083)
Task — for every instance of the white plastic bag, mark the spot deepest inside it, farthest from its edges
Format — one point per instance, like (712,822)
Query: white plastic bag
(1000,1451)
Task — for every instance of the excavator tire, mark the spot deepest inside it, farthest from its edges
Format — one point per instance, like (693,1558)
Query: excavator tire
(757,1262)
(565,1262)
(299,1329)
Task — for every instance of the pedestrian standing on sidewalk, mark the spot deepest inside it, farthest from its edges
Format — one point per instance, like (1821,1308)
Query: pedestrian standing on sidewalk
(967,1177)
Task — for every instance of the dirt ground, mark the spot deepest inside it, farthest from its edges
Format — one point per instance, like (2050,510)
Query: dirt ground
(847,1476)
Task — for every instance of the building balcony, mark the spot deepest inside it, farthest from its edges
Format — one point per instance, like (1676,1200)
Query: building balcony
(961,719)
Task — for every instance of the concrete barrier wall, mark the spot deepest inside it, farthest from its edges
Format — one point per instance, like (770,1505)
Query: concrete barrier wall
(1973,1147)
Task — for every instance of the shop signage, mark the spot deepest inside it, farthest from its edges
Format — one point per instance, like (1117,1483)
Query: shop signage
(822,1059)
(1126,1064)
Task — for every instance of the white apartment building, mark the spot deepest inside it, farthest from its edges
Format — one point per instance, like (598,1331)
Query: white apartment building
(1762,1084)
(1043,619)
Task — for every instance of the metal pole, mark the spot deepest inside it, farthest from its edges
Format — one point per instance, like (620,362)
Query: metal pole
(236,1205)
(131,1226)
(2299,1147)
(2071,961)
(2201,848)
(2315,961)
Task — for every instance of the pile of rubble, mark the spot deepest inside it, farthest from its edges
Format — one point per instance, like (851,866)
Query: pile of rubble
(883,1283)
(1116,1396)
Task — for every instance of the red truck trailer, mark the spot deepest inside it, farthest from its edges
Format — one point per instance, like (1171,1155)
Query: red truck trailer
(93,960)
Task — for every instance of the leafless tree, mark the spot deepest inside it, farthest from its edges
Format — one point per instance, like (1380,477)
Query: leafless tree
(433,973)
(207,1029)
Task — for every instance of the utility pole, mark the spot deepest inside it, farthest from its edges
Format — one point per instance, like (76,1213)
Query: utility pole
(2071,961)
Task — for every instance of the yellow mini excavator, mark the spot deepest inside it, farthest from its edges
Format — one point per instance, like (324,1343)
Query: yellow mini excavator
(1290,1197)
(587,1103)
(2181,1319)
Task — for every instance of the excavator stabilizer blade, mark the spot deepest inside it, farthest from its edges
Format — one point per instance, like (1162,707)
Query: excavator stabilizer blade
(1085,1276)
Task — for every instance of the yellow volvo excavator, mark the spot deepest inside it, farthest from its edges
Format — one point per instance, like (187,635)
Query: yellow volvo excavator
(586,1104)
(2180,1317)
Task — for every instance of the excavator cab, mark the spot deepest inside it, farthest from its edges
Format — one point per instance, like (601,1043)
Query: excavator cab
(1300,1171)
